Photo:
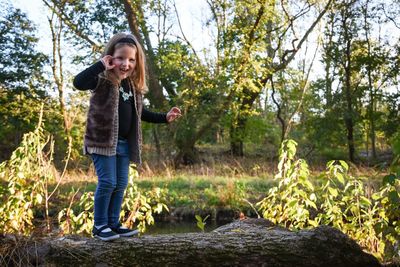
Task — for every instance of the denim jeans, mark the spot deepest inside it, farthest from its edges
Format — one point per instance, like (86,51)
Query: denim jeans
(112,173)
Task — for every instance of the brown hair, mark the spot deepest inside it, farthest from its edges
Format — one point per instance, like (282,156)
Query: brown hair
(138,77)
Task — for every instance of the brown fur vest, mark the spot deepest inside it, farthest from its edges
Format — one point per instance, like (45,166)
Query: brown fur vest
(102,119)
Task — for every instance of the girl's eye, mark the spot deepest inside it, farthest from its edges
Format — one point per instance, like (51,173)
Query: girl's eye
(132,60)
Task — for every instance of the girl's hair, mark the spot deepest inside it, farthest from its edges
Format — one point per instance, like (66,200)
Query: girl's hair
(138,77)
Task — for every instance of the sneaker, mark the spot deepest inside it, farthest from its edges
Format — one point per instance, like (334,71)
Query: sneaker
(105,233)
(124,231)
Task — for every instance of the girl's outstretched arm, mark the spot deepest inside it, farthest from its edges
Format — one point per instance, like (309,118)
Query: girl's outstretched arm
(87,79)
(154,117)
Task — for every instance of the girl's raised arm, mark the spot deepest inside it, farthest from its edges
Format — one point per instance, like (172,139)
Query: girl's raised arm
(87,79)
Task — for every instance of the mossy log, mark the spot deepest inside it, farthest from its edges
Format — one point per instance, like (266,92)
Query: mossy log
(251,242)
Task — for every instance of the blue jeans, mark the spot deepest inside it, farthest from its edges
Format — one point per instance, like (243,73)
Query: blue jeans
(112,173)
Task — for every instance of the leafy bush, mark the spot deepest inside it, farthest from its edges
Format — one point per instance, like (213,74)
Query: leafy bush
(137,208)
(26,175)
(370,217)
(24,180)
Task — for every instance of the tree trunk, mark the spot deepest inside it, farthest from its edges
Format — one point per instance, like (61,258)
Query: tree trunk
(348,116)
(371,110)
(157,143)
(328,63)
(187,155)
(236,136)
(238,125)
(134,15)
(250,242)
(279,112)
(57,69)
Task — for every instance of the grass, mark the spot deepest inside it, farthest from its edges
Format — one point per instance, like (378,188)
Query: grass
(220,181)
(185,189)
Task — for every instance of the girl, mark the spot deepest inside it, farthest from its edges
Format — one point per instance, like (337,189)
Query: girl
(113,129)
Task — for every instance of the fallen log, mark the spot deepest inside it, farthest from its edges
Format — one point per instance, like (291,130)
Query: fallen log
(251,242)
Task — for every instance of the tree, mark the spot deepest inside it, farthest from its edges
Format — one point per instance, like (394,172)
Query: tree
(56,28)
(246,59)
(22,79)
(358,67)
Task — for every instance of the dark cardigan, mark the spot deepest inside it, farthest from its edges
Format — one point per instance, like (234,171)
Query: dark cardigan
(102,120)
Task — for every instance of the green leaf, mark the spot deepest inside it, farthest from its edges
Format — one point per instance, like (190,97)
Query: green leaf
(200,225)
(340,178)
(389,179)
(158,209)
(311,204)
(365,201)
(309,184)
(198,218)
(291,145)
(292,203)
(333,191)
(344,164)
(330,164)
(396,145)
(394,197)
(39,198)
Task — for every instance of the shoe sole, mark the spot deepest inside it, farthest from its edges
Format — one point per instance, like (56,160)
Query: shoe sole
(110,238)
(136,232)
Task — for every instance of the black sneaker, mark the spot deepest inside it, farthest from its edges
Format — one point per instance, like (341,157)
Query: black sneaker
(104,234)
(124,231)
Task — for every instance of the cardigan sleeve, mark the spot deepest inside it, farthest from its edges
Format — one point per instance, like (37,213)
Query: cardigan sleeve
(87,79)
(154,117)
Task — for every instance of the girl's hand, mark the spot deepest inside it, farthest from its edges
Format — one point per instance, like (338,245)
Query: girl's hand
(107,61)
(173,114)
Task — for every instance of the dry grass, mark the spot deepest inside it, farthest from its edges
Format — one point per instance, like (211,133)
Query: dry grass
(17,251)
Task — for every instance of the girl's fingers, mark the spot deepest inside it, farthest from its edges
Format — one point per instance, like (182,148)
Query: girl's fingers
(108,62)
(173,114)
(176,110)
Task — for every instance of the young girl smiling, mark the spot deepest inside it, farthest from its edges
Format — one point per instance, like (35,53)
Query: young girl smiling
(113,129)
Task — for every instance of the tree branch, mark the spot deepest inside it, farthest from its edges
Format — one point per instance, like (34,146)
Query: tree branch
(71,25)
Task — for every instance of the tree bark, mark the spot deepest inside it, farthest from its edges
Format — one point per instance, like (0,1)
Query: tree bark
(250,242)
(237,133)
(349,114)
(371,89)
(134,15)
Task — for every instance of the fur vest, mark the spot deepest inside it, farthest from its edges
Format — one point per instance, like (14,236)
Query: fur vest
(102,121)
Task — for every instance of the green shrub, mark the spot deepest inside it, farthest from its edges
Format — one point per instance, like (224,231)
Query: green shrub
(26,175)
(370,217)
(137,208)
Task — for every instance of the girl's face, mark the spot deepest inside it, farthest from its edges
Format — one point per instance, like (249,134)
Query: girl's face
(124,59)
